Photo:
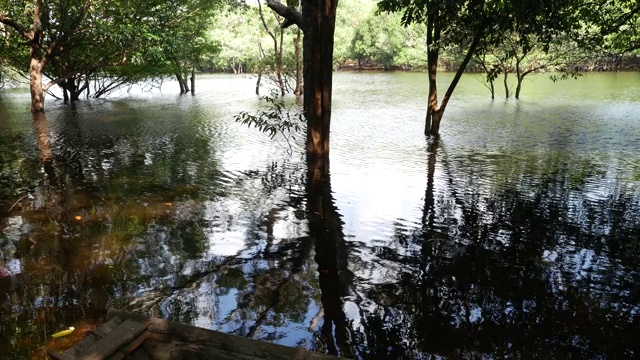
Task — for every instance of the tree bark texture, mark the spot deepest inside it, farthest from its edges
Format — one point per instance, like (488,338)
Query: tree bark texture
(319,18)
(35,82)
(317,21)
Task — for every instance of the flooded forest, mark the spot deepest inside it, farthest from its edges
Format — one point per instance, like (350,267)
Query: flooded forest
(221,165)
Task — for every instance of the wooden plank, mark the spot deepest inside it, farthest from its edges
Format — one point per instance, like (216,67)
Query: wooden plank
(132,346)
(189,338)
(174,350)
(120,336)
(55,355)
(139,354)
(87,342)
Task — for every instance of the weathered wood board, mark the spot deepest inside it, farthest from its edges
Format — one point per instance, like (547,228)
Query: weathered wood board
(137,337)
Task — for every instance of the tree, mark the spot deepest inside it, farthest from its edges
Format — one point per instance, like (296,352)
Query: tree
(382,39)
(317,22)
(446,21)
(471,22)
(51,29)
(612,27)
(69,41)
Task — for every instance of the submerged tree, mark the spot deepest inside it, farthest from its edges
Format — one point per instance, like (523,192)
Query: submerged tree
(470,23)
(317,22)
(70,40)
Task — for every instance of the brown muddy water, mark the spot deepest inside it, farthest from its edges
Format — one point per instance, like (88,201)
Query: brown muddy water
(516,235)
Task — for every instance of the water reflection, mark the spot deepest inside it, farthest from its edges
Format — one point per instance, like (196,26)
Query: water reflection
(499,241)
(532,266)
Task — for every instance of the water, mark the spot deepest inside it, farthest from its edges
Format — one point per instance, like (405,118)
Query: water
(517,234)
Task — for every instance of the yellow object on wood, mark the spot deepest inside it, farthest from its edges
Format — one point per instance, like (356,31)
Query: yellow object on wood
(63,332)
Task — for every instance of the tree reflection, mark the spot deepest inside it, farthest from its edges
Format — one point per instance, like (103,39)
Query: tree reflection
(513,270)
(77,243)
(325,225)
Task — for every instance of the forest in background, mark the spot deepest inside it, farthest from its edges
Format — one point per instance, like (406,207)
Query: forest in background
(242,37)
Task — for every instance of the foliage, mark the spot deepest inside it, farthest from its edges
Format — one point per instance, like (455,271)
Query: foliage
(275,118)
(74,39)
(383,39)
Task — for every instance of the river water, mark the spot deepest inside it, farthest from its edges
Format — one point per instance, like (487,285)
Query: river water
(517,234)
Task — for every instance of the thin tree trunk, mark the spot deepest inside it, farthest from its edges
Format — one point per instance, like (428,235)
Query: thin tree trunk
(296,42)
(433,37)
(279,64)
(432,104)
(436,117)
(506,84)
(193,81)
(277,52)
(258,82)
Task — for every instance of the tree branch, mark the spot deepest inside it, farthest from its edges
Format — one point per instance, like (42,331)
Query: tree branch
(23,32)
(290,14)
(82,71)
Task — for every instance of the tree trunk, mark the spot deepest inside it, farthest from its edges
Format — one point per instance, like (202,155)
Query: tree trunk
(278,53)
(506,84)
(193,81)
(437,116)
(296,43)
(319,19)
(432,104)
(35,82)
(71,90)
(258,82)
(185,83)
(182,90)
(519,86)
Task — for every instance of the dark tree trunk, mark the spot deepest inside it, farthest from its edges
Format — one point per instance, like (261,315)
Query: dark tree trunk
(258,82)
(519,87)
(432,102)
(182,90)
(193,81)
(317,21)
(71,89)
(433,38)
(319,26)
